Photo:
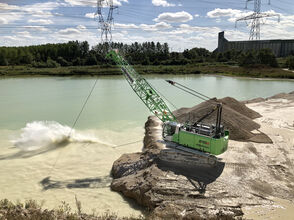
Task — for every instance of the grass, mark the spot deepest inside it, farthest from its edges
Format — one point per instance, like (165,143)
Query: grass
(33,211)
(203,68)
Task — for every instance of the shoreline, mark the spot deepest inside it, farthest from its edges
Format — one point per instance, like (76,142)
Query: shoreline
(200,69)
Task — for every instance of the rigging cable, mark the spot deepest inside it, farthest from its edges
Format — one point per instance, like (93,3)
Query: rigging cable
(172,104)
(74,124)
(84,105)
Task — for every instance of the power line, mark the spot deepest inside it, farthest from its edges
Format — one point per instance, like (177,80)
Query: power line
(105,24)
(255,19)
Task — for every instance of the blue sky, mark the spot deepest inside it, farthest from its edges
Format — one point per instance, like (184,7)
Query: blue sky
(181,23)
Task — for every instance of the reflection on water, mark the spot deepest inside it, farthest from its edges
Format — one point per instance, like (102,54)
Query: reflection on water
(98,182)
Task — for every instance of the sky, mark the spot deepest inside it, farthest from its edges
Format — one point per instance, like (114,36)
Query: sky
(183,24)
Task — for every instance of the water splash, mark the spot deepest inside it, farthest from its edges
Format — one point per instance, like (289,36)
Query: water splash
(42,134)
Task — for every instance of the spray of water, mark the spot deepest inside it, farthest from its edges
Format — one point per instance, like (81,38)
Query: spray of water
(43,134)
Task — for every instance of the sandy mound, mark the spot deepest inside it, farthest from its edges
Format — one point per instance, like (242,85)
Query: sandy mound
(288,96)
(237,118)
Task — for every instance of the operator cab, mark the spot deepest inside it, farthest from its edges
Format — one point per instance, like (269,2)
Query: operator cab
(169,129)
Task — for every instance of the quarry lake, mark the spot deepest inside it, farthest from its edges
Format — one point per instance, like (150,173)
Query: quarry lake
(113,104)
(36,113)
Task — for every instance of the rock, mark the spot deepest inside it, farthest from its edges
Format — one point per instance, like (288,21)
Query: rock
(170,191)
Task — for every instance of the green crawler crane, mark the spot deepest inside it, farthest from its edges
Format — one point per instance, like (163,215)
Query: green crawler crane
(190,143)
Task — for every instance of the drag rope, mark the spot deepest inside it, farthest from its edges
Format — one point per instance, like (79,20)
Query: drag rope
(83,107)
(127,144)
(173,105)
(74,124)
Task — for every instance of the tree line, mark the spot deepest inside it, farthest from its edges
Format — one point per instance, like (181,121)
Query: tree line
(75,53)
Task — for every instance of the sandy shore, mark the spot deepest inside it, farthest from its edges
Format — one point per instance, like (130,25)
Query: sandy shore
(277,122)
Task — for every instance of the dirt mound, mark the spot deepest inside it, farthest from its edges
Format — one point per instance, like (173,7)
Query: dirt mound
(254,100)
(289,96)
(236,117)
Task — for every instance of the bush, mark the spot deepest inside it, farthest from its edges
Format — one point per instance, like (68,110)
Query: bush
(63,62)
(3,60)
(49,64)
(39,64)
(258,58)
(290,62)
(266,57)
(247,59)
(52,63)
(91,60)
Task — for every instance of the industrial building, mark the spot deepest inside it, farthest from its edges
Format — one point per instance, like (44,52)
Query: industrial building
(281,48)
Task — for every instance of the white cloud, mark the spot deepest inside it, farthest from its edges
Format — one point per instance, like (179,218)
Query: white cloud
(80,33)
(92,3)
(69,31)
(90,15)
(145,27)
(176,17)
(196,15)
(25,34)
(228,12)
(9,18)
(185,29)
(81,27)
(42,10)
(163,3)
(6,7)
(37,28)
(232,14)
(40,21)
(155,27)
(125,26)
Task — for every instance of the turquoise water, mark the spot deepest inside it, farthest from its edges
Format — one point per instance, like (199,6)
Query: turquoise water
(113,104)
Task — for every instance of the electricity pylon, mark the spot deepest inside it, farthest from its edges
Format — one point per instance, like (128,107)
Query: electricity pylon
(105,24)
(256,17)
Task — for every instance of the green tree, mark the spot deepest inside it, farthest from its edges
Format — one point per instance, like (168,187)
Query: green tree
(247,59)
(51,63)
(63,62)
(266,57)
(91,60)
(3,60)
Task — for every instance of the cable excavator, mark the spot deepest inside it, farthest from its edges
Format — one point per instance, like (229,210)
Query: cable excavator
(189,143)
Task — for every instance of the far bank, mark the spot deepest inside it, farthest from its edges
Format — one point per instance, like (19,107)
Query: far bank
(100,70)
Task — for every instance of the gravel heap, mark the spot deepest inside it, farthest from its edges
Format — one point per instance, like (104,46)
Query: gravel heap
(236,117)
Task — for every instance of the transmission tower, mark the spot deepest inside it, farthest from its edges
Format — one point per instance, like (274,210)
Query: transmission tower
(105,24)
(256,18)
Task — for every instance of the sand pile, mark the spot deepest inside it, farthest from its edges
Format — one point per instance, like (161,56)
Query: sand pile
(288,96)
(236,117)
